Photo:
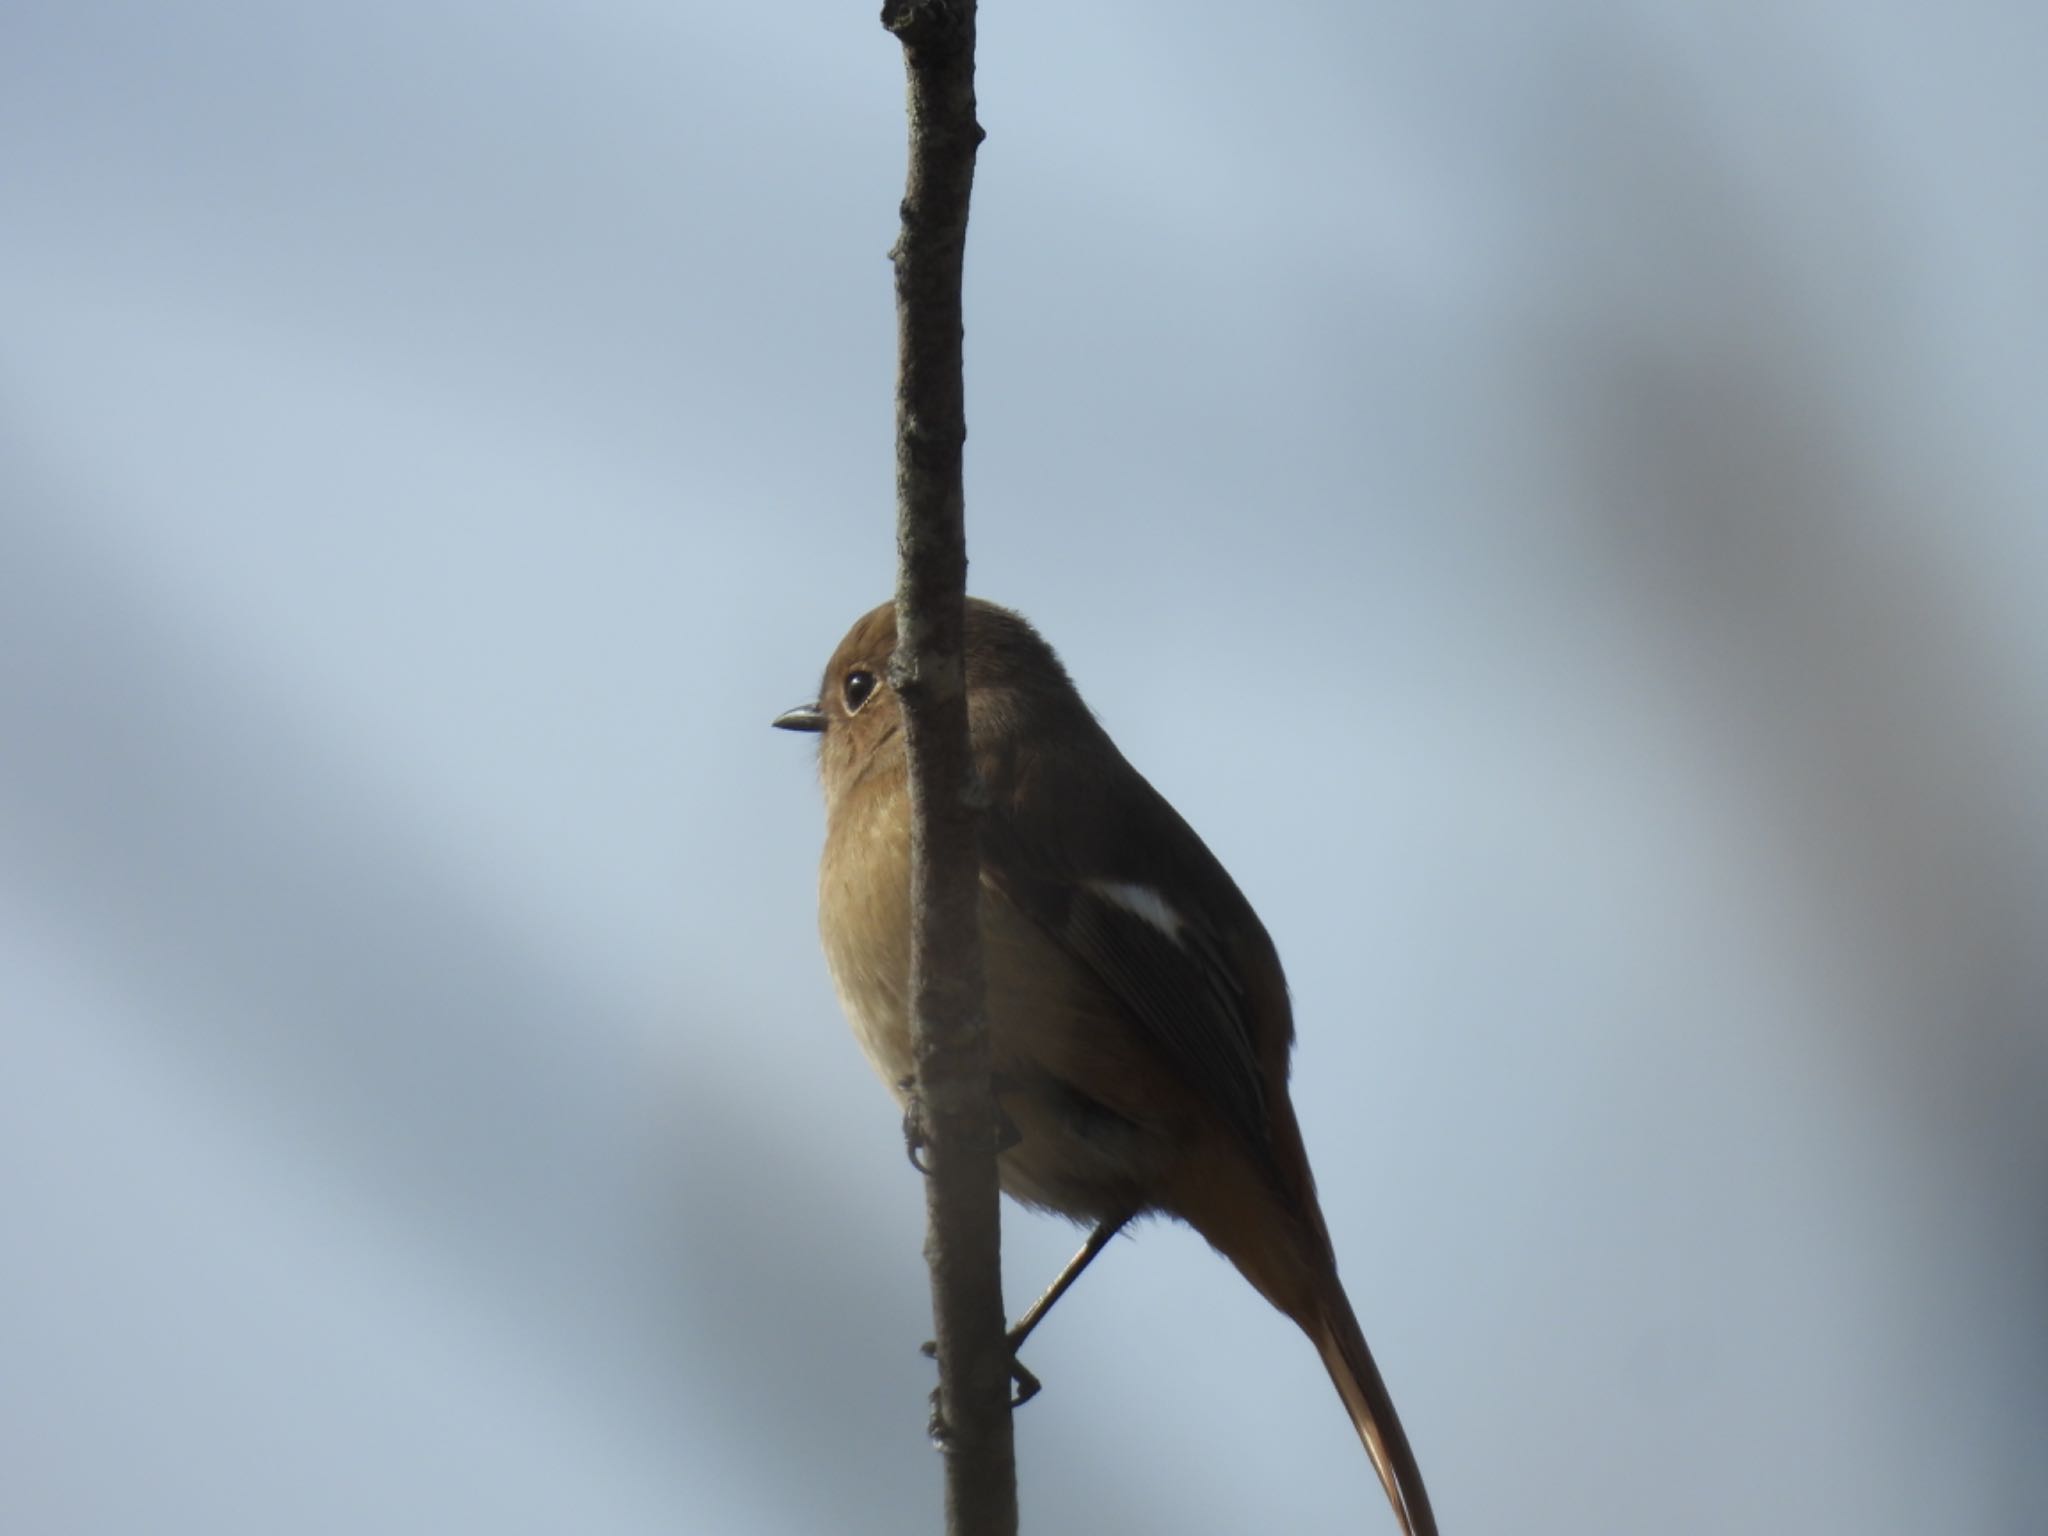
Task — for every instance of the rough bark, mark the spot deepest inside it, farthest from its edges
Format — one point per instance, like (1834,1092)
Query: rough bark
(953,1096)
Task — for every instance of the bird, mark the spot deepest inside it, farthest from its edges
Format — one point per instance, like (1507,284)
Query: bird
(1139,1019)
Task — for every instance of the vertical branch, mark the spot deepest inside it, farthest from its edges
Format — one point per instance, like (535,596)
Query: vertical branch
(950,1027)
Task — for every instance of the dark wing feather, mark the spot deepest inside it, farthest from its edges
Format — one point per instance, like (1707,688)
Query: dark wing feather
(1182,990)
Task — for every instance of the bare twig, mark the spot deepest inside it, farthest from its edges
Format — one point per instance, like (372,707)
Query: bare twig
(950,1026)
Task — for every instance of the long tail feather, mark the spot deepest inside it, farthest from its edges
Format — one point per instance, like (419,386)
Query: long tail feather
(1334,1330)
(1287,1256)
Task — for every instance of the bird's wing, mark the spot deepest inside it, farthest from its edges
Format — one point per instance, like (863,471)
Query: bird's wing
(1137,926)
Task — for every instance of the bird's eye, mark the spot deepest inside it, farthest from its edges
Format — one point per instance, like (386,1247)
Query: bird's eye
(858,686)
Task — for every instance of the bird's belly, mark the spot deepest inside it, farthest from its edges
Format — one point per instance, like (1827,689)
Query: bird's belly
(864,891)
(1066,1063)
(881,1027)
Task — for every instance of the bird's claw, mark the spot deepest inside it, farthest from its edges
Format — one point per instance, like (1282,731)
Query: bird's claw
(915,1136)
(1026,1384)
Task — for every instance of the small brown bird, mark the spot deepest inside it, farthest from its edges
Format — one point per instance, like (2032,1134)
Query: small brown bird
(1137,1010)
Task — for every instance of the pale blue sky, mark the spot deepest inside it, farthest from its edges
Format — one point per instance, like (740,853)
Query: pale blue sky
(1553,493)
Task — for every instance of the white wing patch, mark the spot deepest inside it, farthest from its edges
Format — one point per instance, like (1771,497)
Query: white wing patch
(1141,901)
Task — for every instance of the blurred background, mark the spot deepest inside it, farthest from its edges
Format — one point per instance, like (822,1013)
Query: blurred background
(1553,493)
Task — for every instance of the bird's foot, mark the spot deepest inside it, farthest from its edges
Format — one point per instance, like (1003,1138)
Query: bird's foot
(1026,1386)
(916,1135)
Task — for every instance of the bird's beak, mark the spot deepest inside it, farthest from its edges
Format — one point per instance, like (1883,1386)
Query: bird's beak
(805,717)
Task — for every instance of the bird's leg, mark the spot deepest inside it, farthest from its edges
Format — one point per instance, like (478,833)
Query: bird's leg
(1028,1385)
(1063,1282)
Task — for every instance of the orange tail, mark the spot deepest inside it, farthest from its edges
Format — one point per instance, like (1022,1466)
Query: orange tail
(1288,1257)
(1333,1329)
